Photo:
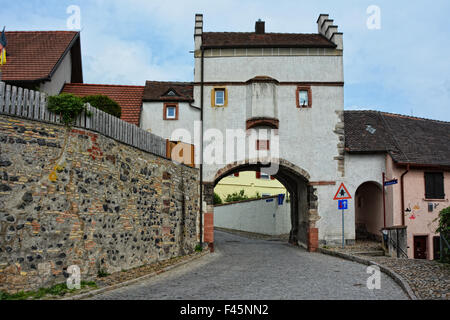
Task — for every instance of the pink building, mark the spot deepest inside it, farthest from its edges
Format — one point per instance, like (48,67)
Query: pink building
(414,154)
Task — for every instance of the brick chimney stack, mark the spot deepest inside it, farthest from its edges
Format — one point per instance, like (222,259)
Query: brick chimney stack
(260,27)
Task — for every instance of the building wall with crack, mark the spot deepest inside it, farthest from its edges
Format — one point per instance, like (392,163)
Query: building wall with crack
(74,197)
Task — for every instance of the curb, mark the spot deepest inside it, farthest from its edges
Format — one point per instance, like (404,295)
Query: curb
(395,276)
(133,281)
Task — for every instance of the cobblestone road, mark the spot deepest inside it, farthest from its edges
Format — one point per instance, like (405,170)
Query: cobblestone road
(248,269)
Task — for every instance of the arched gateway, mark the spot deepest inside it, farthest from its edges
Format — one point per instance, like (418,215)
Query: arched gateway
(303,202)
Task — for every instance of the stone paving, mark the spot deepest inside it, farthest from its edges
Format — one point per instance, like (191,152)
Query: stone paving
(429,280)
(254,269)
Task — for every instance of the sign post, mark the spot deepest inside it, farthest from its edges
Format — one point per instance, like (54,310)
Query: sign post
(342,195)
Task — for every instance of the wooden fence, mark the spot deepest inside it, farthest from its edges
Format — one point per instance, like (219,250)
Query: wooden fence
(32,105)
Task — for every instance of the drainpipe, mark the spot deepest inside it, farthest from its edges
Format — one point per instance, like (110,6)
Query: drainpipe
(384,200)
(201,147)
(403,193)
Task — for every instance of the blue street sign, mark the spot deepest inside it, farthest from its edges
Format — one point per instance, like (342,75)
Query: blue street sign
(280,199)
(343,204)
(391,182)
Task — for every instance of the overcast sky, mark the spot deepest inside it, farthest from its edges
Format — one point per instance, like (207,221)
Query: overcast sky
(403,67)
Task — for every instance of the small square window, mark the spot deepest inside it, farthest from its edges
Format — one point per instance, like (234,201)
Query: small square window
(262,145)
(265,176)
(171,112)
(303,98)
(220,97)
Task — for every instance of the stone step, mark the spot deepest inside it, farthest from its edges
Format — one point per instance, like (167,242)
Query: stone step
(374,253)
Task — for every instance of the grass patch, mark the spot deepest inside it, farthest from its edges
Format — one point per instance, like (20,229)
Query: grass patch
(102,273)
(198,248)
(57,290)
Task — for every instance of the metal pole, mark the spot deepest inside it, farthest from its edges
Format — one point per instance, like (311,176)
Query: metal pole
(201,146)
(384,200)
(343,236)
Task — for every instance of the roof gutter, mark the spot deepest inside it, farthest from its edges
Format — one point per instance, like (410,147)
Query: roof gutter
(419,165)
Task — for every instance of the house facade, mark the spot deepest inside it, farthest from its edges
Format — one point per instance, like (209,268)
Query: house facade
(414,155)
(282,95)
(253,183)
(43,60)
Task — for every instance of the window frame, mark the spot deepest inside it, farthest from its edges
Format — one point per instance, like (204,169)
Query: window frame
(214,100)
(433,194)
(308,90)
(171,105)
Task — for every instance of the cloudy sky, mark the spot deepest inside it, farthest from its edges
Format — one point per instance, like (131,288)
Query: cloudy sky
(403,67)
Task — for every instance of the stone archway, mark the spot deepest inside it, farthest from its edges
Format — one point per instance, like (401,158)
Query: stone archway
(304,200)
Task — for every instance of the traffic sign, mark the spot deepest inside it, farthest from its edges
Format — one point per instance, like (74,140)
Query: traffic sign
(343,204)
(342,193)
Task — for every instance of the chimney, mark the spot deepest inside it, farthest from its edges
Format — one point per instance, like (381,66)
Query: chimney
(260,27)
(330,31)
(198,31)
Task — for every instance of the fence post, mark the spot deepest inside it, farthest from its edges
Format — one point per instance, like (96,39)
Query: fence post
(8,99)
(2,96)
(13,100)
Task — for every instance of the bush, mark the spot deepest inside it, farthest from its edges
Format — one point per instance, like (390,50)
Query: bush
(67,105)
(105,104)
(444,223)
(444,229)
(236,196)
(217,199)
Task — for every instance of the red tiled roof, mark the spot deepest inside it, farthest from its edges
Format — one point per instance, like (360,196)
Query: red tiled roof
(407,139)
(271,40)
(157,91)
(33,55)
(128,97)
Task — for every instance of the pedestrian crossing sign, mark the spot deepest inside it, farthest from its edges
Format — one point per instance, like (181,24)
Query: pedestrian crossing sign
(342,193)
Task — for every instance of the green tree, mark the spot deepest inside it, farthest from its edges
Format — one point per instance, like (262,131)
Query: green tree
(105,104)
(217,199)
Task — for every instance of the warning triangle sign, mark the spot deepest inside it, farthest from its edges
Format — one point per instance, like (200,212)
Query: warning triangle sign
(342,193)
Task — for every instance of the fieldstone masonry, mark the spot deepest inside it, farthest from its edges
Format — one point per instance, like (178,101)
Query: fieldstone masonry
(74,197)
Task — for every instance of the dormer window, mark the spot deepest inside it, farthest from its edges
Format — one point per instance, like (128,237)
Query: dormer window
(170,93)
(171,111)
(304,97)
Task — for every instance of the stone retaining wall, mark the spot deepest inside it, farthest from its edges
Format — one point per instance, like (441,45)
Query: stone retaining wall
(74,197)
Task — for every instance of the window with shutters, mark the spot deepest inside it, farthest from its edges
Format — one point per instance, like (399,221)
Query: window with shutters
(434,185)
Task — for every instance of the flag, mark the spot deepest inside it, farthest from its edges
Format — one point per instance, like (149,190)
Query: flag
(3,44)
